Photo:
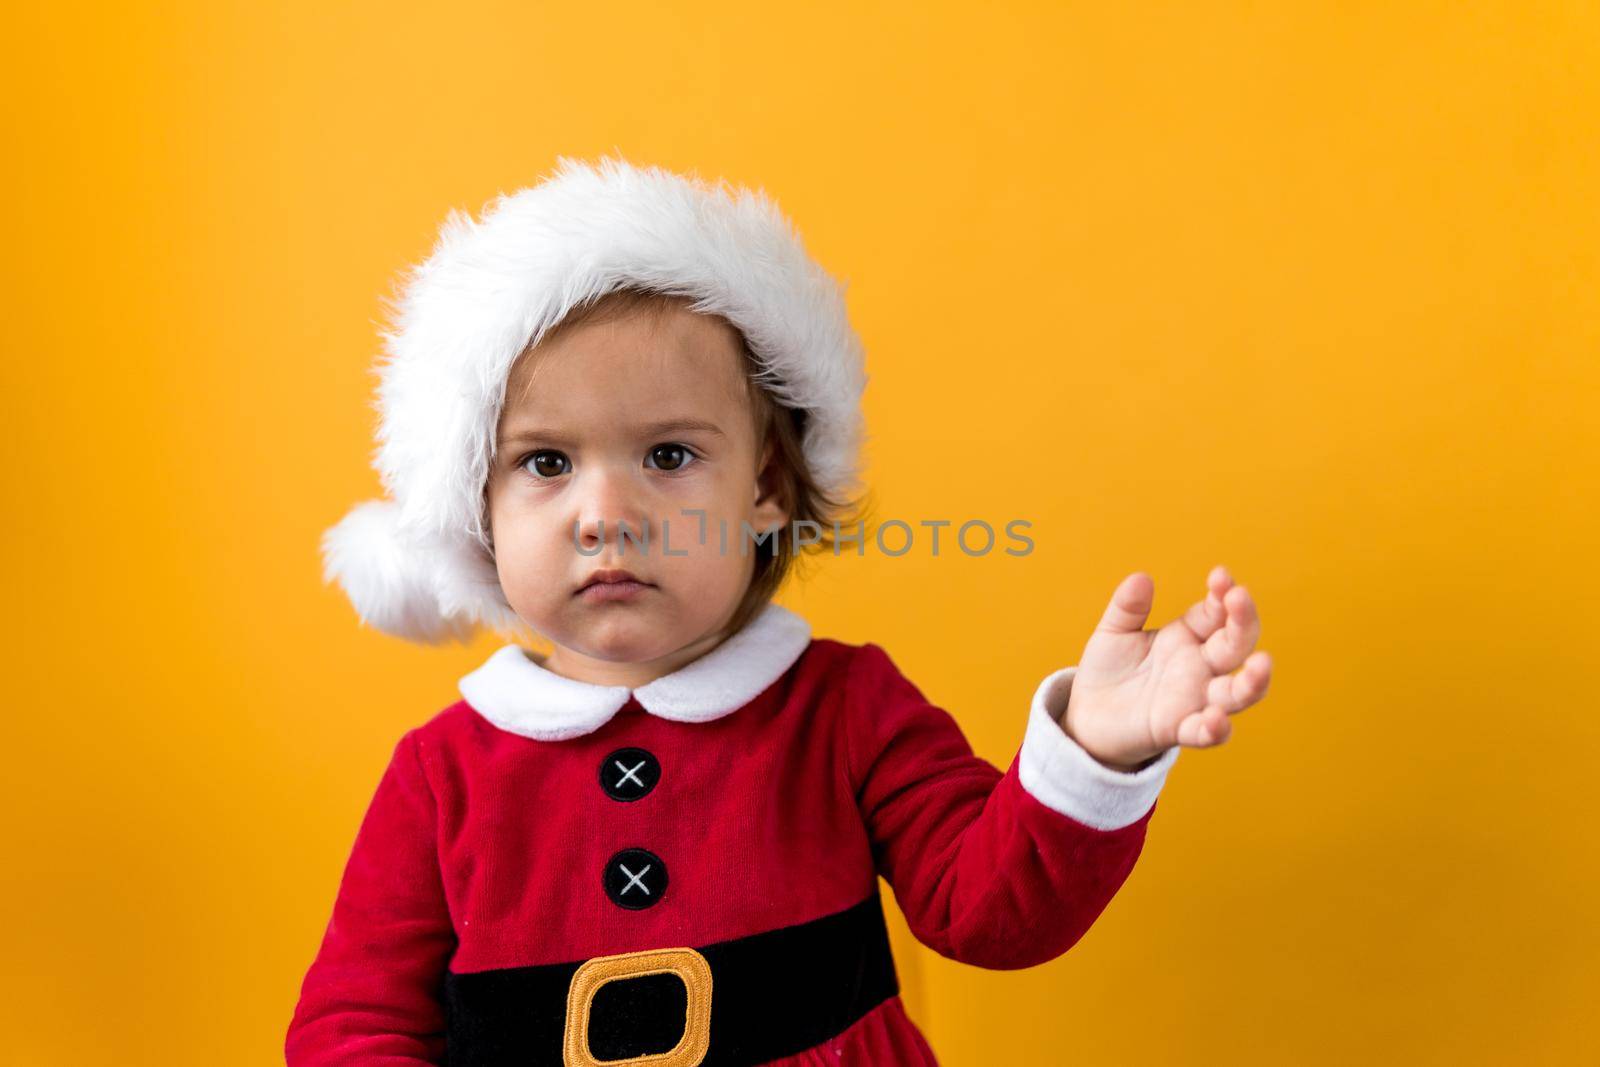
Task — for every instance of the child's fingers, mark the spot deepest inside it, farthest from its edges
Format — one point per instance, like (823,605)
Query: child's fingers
(1130,604)
(1224,650)
(1206,728)
(1219,581)
(1205,617)
(1235,692)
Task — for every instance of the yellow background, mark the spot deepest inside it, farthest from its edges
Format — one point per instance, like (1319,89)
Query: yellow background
(1306,289)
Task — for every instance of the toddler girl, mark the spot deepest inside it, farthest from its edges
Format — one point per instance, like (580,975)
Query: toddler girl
(607,406)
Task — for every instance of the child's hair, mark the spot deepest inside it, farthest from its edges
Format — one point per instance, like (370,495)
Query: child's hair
(804,499)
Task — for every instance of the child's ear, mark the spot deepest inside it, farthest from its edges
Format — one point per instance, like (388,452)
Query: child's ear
(771,509)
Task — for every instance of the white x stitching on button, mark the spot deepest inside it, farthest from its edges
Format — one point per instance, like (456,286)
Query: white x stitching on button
(635,879)
(626,774)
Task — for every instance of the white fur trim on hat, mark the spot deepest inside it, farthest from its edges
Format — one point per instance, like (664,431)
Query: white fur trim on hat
(418,565)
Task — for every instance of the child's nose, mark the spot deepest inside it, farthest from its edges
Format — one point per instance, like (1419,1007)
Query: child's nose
(610,506)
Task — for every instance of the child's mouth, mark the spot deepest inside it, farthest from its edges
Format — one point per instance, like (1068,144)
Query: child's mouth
(601,592)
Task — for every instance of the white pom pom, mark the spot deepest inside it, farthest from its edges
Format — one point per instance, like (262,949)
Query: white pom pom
(389,575)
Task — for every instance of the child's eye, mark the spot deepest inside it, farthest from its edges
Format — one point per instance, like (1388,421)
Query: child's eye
(546,463)
(671,457)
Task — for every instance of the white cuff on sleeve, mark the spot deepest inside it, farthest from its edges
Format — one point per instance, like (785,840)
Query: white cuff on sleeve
(1063,777)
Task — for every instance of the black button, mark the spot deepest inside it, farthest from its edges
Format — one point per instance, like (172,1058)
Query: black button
(629,773)
(635,878)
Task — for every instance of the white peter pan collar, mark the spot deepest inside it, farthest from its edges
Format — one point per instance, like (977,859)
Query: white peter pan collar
(517,694)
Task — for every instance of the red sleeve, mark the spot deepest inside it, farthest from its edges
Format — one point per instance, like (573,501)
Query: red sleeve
(373,994)
(985,871)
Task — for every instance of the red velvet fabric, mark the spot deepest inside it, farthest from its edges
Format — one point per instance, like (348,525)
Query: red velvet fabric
(484,849)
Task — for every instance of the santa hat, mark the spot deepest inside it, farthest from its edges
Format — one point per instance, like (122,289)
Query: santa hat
(418,564)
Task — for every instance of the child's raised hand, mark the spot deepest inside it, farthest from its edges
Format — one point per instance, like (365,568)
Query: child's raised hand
(1138,692)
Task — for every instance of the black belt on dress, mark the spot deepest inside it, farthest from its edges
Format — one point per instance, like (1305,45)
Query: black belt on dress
(730,1004)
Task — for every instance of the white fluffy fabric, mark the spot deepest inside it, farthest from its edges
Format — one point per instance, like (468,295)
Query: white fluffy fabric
(417,565)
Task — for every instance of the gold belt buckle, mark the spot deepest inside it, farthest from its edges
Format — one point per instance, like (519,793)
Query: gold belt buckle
(686,963)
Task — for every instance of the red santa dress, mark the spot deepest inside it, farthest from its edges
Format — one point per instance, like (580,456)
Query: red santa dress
(555,872)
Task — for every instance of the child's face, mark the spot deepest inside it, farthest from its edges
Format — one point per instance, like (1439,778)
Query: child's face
(634,419)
